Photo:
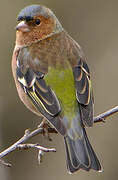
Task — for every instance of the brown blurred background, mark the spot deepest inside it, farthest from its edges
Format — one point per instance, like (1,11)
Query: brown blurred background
(94,24)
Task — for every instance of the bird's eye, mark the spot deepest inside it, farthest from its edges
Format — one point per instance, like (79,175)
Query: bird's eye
(37,21)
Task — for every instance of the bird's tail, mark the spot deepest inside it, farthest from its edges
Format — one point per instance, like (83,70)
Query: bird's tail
(80,154)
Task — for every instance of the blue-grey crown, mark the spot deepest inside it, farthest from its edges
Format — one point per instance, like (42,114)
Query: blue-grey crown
(34,10)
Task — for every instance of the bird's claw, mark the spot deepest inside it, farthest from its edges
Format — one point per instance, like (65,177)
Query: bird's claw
(46,129)
(103,120)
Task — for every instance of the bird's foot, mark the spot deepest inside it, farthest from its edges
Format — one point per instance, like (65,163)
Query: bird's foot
(47,129)
(46,132)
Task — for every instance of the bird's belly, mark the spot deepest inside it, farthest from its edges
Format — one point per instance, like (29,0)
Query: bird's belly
(61,82)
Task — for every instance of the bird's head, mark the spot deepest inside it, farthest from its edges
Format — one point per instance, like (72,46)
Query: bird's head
(36,22)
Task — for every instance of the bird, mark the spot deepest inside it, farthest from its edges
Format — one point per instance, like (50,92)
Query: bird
(54,82)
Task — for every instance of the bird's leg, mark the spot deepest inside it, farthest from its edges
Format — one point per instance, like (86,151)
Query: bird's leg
(47,129)
(46,132)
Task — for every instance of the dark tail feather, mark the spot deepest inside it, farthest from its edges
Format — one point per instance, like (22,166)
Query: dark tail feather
(80,154)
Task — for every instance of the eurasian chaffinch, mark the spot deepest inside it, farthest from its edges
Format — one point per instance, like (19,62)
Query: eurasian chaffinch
(53,81)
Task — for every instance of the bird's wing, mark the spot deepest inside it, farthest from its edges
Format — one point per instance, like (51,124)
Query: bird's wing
(84,91)
(41,95)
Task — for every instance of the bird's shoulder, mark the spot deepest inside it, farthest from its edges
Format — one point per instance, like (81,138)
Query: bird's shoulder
(56,48)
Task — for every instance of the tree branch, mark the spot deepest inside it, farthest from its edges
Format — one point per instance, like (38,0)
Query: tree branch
(35,146)
(27,136)
(103,116)
(40,130)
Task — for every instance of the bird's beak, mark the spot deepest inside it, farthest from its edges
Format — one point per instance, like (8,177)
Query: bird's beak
(22,26)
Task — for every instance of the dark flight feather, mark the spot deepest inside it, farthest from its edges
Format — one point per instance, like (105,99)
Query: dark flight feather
(83,92)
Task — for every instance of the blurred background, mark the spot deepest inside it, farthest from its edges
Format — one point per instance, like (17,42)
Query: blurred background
(94,25)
